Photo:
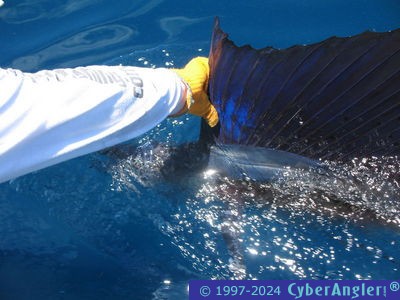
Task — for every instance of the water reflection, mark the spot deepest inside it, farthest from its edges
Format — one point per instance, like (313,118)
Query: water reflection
(338,224)
(80,45)
(29,11)
(174,26)
(298,227)
(96,30)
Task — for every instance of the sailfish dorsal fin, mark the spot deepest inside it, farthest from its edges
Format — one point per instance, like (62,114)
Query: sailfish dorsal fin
(336,99)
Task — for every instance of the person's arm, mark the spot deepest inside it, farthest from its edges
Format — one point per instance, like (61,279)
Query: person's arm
(52,116)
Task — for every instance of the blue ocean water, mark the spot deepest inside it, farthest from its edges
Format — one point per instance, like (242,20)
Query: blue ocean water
(98,228)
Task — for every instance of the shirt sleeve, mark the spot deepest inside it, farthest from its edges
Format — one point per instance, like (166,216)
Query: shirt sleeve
(55,115)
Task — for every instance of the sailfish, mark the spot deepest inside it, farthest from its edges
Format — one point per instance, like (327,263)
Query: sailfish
(282,111)
(290,110)
(296,108)
(333,100)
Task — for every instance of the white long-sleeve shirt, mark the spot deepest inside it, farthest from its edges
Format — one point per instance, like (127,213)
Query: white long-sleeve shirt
(55,115)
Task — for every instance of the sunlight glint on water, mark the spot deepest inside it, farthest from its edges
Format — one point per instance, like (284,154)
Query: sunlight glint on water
(306,225)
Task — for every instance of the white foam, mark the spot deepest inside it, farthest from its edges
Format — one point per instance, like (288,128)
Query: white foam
(1,3)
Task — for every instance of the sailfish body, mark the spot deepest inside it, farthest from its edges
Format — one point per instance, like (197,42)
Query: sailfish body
(284,113)
(333,100)
(297,107)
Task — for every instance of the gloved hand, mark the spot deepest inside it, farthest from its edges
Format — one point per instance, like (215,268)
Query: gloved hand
(196,74)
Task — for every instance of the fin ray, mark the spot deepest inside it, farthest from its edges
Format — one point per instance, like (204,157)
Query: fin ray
(310,100)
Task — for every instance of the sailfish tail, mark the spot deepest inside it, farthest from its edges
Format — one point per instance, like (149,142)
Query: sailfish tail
(336,99)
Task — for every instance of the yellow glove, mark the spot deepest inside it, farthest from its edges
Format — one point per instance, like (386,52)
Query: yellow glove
(195,74)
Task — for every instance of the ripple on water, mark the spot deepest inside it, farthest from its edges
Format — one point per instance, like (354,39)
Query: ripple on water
(342,223)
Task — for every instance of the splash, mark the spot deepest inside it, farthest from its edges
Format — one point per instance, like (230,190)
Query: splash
(305,225)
